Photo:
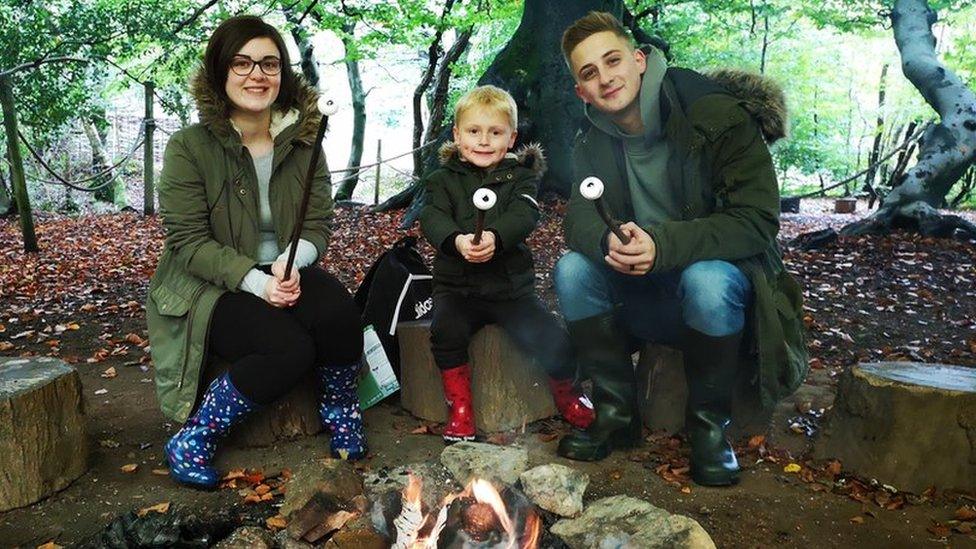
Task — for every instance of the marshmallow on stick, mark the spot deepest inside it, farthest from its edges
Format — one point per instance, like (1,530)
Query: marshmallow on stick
(484,199)
(327,107)
(592,189)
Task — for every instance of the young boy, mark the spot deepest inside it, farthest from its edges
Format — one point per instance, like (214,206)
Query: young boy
(491,281)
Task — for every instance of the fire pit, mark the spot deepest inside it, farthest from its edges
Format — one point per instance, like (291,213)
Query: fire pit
(478,517)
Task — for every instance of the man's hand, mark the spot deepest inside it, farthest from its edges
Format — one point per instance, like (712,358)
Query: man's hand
(476,253)
(281,293)
(636,257)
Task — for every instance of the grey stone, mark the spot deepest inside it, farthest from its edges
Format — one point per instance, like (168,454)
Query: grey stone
(284,541)
(906,424)
(466,460)
(247,537)
(623,521)
(43,432)
(436,479)
(335,477)
(556,488)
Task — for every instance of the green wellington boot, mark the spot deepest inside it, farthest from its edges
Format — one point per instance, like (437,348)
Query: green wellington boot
(603,355)
(710,368)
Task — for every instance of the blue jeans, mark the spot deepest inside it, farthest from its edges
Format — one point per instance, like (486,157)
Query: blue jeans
(708,296)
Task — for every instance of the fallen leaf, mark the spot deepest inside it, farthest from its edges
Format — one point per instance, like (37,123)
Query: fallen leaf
(262,489)
(234,473)
(73,326)
(129,467)
(939,530)
(158,508)
(792,468)
(2,328)
(109,373)
(101,392)
(276,522)
(252,498)
(685,489)
(548,437)
(965,513)
(756,441)
(134,339)
(422,430)
(833,467)
(50,544)
(160,472)
(857,520)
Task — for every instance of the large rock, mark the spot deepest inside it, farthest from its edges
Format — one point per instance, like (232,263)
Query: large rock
(508,390)
(663,392)
(247,537)
(335,477)
(466,460)
(910,425)
(623,521)
(43,436)
(556,488)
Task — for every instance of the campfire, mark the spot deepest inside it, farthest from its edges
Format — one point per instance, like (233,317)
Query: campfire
(478,516)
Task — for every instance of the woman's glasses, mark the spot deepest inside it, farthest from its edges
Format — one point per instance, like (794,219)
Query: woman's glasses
(243,65)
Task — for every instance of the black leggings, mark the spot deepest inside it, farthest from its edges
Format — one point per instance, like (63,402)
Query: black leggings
(525,320)
(271,349)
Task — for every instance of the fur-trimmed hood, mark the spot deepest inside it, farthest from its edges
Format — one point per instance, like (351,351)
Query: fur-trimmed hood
(214,110)
(760,96)
(529,156)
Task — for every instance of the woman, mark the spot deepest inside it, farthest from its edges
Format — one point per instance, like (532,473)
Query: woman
(229,196)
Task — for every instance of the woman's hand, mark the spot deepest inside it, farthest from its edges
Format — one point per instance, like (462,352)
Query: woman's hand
(279,292)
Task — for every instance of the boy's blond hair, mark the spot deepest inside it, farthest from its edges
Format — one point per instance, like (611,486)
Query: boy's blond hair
(588,25)
(489,97)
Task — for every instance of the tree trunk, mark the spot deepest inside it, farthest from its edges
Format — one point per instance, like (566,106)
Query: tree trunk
(7,204)
(99,163)
(434,52)
(351,178)
(532,69)
(299,33)
(878,130)
(947,149)
(438,104)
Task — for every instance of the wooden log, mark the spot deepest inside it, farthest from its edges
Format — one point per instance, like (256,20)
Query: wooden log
(43,435)
(906,424)
(295,415)
(508,389)
(663,392)
(845,205)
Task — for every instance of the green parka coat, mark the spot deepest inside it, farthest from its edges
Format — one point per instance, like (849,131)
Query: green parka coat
(208,199)
(722,173)
(450,211)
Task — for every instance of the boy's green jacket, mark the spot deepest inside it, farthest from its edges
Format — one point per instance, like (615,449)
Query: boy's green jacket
(450,211)
(208,198)
(722,173)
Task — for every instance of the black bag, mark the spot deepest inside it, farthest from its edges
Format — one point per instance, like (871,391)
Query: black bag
(397,288)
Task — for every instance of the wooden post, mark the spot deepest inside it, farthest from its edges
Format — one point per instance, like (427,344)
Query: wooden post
(17,165)
(149,203)
(379,158)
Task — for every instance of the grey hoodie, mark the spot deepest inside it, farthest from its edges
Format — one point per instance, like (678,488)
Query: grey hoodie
(646,155)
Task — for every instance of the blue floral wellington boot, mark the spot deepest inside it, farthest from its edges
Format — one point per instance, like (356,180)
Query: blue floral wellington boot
(340,412)
(190,451)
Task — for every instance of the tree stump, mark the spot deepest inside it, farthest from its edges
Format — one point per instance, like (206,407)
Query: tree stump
(508,389)
(663,392)
(845,205)
(295,415)
(43,436)
(907,424)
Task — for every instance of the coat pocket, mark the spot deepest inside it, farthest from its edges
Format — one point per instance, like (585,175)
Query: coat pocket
(169,303)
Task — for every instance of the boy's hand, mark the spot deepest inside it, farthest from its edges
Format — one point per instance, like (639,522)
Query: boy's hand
(476,253)
(636,257)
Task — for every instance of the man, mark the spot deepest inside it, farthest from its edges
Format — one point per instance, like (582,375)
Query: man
(685,165)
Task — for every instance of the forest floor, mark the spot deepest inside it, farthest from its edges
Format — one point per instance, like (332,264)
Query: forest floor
(900,297)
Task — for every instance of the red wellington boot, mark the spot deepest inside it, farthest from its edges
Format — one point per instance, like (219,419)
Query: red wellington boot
(457,392)
(572,404)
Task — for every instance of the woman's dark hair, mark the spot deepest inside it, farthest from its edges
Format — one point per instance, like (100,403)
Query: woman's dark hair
(229,38)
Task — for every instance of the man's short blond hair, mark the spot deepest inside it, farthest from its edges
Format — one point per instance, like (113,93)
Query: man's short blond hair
(588,25)
(488,97)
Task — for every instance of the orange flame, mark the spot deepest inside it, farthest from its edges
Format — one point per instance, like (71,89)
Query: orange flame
(485,493)
(533,528)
